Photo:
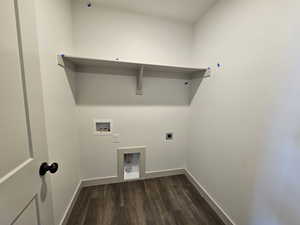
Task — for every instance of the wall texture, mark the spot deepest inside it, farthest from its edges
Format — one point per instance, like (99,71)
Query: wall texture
(140,120)
(55,36)
(103,32)
(245,123)
(243,134)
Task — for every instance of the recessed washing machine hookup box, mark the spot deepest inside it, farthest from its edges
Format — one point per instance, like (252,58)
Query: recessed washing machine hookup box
(102,127)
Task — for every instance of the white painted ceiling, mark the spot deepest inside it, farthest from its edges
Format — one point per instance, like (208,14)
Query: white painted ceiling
(182,10)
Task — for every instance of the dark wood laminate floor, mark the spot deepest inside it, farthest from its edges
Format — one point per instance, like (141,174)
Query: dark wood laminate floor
(161,201)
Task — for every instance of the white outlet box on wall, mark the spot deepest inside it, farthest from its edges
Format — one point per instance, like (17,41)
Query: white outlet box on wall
(102,127)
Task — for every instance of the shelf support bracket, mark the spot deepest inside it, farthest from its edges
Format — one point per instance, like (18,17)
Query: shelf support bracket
(139,81)
(207,73)
(60,60)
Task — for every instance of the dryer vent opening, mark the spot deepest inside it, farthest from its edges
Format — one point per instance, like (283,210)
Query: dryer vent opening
(131,166)
(131,163)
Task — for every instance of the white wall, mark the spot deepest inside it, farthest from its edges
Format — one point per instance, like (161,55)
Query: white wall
(55,36)
(245,124)
(103,32)
(141,120)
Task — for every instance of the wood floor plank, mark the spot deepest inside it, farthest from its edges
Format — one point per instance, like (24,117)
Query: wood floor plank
(161,201)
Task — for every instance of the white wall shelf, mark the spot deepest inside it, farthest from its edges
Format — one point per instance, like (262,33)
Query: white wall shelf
(134,68)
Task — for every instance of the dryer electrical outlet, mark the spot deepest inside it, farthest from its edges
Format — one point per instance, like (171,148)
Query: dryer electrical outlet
(169,137)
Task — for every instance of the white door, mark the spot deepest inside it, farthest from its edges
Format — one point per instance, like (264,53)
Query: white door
(24,195)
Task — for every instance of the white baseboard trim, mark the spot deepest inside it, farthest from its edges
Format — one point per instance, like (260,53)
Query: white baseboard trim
(71,204)
(114,179)
(100,181)
(210,200)
(164,173)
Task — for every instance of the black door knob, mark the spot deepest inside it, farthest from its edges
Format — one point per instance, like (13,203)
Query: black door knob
(44,168)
